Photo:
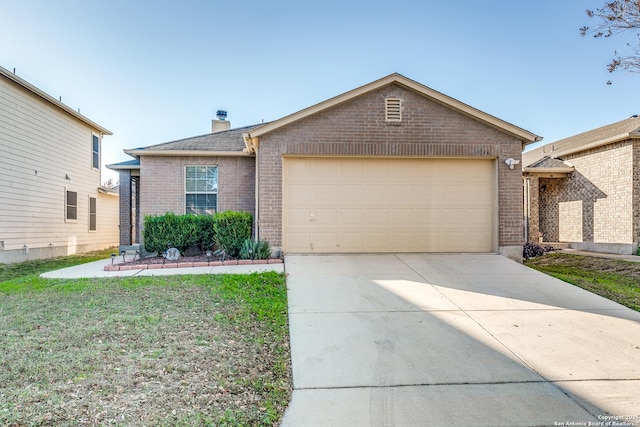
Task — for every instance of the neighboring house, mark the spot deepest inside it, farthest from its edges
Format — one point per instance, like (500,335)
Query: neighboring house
(52,201)
(585,190)
(392,166)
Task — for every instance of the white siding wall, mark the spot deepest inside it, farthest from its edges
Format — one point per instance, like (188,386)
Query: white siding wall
(40,145)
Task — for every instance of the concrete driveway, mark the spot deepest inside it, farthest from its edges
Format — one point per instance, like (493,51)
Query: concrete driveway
(469,340)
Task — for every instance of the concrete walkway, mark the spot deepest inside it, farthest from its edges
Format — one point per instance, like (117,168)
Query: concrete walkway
(96,269)
(456,340)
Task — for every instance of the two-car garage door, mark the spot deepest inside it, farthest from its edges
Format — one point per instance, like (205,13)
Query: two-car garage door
(355,205)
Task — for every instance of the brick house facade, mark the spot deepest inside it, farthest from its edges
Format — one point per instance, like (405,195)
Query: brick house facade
(425,124)
(584,190)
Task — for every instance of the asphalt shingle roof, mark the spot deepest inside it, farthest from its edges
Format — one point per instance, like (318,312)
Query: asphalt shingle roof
(228,140)
(573,143)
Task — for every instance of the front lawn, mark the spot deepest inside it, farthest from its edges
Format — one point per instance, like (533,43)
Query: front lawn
(198,350)
(616,280)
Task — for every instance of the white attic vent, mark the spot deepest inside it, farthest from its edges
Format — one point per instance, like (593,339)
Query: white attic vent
(392,110)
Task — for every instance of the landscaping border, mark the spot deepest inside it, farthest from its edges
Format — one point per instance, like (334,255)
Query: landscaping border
(149,266)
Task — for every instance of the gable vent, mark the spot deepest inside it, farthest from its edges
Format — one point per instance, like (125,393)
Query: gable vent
(392,110)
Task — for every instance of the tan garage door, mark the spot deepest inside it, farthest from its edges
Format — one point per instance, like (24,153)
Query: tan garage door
(388,205)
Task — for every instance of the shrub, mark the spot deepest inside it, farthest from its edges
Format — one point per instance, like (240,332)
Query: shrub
(255,249)
(179,231)
(231,229)
(531,250)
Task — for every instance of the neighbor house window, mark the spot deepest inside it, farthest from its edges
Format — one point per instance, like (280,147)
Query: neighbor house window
(95,152)
(93,211)
(201,187)
(71,201)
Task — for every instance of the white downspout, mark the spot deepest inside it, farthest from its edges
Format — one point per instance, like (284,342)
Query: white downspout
(251,147)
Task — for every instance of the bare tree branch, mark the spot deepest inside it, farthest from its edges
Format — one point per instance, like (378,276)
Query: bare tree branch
(617,17)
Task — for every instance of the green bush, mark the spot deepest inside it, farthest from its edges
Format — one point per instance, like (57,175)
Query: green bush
(177,231)
(231,229)
(255,249)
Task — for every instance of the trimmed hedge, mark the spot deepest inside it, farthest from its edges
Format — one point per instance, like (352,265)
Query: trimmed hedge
(231,229)
(177,231)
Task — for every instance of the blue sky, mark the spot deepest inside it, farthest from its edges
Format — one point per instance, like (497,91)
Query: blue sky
(155,71)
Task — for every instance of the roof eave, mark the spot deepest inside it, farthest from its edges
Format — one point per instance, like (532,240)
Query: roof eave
(563,171)
(596,144)
(182,153)
(441,98)
(117,167)
(48,98)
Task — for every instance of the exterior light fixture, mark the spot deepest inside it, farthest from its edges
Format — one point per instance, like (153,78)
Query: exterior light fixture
(511,162)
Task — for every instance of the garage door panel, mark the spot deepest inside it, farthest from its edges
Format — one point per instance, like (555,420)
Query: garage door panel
(452,217)
(376,241)
(478,218)
(324,217)
(479,195)
(300,241)
(400,194)
(352,240)
(374,171)
(453,194)
(477,241)
(426,217)
(425,194)
(301,193)
(389,205)
(298,217)
(400,217)
(350,194)
(375,195)
(351,217)
(376,217)
(324,193)
(325,241)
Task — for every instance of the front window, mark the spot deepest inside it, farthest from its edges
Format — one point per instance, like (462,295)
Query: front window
(95,152)
(201,187)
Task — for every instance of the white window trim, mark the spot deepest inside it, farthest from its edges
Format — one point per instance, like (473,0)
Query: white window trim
(201,192)
(99,151)
(89,213)
(66,206)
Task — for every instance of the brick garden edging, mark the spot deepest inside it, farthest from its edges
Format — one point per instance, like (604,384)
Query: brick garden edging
(142,266)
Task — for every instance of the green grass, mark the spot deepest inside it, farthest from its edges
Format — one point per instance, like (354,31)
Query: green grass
(34,268)
(202,350)
(616,280)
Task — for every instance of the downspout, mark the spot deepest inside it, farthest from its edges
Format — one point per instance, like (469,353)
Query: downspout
(251,147)
(527,213)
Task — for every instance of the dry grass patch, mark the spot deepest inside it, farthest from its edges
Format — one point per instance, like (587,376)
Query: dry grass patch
(172,351)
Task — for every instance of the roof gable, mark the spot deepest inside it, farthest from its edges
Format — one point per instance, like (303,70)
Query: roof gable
(396,78)
(615,132)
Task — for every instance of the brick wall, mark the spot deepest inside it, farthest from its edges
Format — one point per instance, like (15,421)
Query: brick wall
(595,203)
(162,183)
(636,190)
(358,128)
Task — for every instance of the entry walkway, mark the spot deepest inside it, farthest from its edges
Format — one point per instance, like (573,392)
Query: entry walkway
(456,340)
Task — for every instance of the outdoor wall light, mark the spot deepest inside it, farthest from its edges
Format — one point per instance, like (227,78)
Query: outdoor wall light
(511,162)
